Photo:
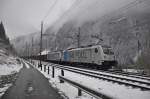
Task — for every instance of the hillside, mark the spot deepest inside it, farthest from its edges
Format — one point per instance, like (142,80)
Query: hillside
(9,65)
(4,41)
(126,30)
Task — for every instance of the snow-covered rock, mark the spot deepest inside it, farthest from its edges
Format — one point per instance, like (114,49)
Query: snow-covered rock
(8,64)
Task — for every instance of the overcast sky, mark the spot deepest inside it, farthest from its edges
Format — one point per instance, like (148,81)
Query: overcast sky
(21,17)
(24,16)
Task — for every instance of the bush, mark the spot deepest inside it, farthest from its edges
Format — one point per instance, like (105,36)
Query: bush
(144,61)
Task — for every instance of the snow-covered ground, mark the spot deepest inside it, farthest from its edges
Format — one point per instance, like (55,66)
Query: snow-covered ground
(112,89)
(2,90)
(132,70)
(8,66)
(7,69)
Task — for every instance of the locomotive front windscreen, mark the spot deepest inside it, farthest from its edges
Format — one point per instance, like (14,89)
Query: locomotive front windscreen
(108,51)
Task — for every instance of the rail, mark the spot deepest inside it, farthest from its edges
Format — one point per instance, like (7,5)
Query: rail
(106,77)
(129,74)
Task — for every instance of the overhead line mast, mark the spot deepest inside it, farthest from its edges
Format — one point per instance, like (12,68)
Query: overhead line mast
(41,44)
(41,36)
(78,37)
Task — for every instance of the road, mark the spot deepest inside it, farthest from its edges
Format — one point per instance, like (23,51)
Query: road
(31,84)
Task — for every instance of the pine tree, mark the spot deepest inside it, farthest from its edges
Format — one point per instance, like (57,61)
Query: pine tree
(2,32)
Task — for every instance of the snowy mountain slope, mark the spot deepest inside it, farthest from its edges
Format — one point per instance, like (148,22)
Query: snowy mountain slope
(125,30)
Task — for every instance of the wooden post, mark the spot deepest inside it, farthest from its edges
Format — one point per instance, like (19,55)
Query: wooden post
(62,74)
(53,72)
(79,92)
(38,65)
(41,66)
(44,68)
(48,69)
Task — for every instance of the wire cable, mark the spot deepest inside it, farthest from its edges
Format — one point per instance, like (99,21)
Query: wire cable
(50,9)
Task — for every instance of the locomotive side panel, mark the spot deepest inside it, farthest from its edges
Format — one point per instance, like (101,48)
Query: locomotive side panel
(66,56)
(92,57)
(54,56)
(80,55)
(97,55)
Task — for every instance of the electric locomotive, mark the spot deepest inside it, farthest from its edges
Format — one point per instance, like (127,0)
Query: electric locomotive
(99,57)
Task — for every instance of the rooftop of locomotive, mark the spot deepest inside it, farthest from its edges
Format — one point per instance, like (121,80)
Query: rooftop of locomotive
(89,46)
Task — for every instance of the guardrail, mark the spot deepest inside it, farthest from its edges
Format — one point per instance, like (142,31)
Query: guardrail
(86,89)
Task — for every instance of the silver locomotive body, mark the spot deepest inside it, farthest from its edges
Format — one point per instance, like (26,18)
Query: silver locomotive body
(96,56)
(100,55)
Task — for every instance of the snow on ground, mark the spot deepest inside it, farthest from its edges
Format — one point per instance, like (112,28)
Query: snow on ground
(8,66)
(112,89)
(115,75)
(105,73)
(133,70)
(65,89)
(27,66)
(9,69)
(2,90)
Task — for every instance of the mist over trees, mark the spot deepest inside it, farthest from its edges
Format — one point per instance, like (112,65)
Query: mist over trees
(126,30)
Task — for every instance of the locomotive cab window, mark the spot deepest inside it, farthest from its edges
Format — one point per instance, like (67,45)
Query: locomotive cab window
(96,50)
(108,51)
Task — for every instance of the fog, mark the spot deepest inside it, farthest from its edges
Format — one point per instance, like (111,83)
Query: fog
(21,17)
(87,10)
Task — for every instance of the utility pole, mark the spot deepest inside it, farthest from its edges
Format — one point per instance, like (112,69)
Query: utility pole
(78,37)
(26,50)
(41,43)
(32,48)
(46,46)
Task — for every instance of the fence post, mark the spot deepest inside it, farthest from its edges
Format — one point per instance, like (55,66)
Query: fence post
(48,69)
(53,72)
(79,92)
(38,66)
(44,68)
(41,67)
(62,74)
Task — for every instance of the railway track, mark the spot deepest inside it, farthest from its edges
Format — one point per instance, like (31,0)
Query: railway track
(128,81)
(128,75)
(138,76)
